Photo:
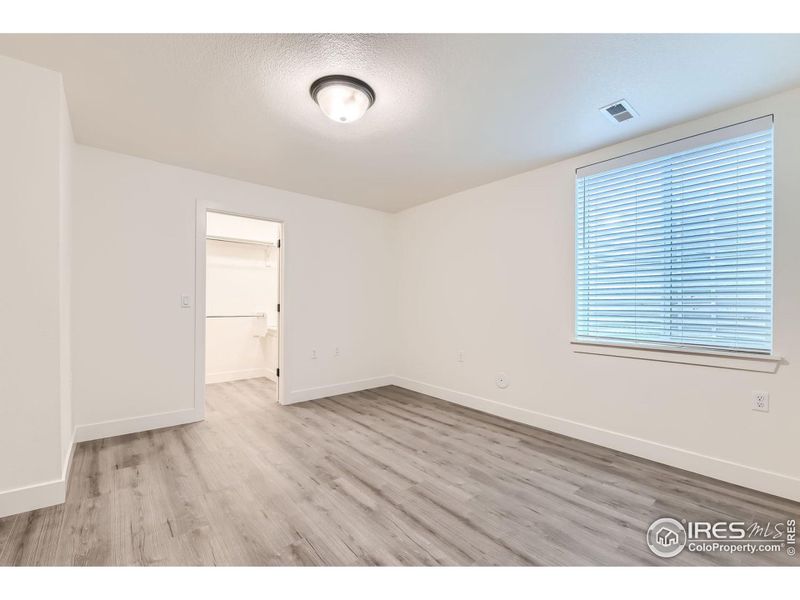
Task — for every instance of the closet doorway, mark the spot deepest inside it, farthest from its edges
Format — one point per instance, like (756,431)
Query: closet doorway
(242,299)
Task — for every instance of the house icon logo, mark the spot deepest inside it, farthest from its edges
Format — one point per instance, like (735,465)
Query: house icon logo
(666,537)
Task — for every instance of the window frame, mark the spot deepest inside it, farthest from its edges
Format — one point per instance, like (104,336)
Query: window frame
(747,359)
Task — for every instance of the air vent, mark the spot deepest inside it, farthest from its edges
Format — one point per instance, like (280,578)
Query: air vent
(619,111)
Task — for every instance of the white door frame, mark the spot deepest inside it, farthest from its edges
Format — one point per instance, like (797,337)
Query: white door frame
(202,209)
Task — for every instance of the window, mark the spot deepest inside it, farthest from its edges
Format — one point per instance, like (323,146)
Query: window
(674,243)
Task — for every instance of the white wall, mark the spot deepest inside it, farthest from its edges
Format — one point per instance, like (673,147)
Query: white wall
(34,353)
(241,279)
(134,256)
(490,272)
(66,148)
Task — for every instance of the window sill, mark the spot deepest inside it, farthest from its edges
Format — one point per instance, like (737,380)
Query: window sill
(762,363)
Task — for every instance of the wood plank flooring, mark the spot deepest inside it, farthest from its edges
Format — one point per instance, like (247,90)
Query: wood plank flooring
(380,477)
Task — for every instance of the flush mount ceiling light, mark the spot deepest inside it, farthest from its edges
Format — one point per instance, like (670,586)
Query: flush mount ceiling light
(342,98)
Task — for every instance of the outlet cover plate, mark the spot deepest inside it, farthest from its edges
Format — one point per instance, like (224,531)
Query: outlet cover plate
(761,401)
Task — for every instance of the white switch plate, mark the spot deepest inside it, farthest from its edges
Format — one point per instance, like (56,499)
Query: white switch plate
(186,301)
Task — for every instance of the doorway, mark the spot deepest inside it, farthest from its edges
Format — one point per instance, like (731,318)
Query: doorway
(242,299)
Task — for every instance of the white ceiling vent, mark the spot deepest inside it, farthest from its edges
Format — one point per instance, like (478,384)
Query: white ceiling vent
(619,111)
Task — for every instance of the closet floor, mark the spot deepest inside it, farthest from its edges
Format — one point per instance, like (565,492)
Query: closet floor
(380,477)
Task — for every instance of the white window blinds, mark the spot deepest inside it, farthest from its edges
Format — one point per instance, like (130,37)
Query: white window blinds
(674,243)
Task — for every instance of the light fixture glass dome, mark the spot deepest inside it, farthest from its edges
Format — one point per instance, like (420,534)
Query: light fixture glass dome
(343,99)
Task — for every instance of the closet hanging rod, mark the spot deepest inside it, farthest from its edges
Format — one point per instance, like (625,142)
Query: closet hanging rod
(255,316)
(219,238)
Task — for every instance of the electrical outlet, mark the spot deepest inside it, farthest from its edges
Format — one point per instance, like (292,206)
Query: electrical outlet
(313,354)
(761,401)
(501,381)
(336,351)
(460,356)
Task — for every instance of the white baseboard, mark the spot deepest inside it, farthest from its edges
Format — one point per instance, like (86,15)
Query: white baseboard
(32,497)
(40,495)
(96,431)
(222,376)
(739,474)
(314,393)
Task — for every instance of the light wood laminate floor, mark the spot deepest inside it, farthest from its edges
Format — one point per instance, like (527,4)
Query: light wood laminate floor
(380,477)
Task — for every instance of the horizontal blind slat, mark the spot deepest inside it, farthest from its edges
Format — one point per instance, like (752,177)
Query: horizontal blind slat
(753,169)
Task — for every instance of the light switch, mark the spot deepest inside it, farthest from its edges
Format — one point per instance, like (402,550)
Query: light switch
(186,301)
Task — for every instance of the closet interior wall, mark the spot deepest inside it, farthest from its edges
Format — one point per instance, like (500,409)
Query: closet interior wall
(242,279)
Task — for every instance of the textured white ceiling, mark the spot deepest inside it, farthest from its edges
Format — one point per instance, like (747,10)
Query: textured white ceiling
(452,111)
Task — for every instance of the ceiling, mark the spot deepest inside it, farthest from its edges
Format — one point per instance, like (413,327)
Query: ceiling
(452,111)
